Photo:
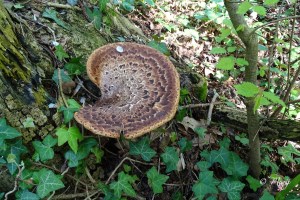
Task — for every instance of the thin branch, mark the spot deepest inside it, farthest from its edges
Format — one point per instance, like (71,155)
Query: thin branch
(274,21)
(16,181)
(211,106)
(199,105)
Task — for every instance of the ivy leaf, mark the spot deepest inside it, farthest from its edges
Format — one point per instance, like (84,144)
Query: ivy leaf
(260,10)
(156,180)
(74,67)
(232,188)
(217,50)
(7,132)
(123,185)
(26,195)
(69,111)
(270,2)
(160,46)
(72,159)
(267,196)
(287,152)
(65,78)
(51,14)
(16,148)
(44,149)
(60,52)
(244,7)
(98,153)
(273,98)
(205,185)
(142,147)
(47,182)
(170,157)
(247,89)
(254,183)
(85,147)
(226,63)
(72,135)
(201,132)
(241,62)
(28,123)
(235,166)
(203,165)
(185,145)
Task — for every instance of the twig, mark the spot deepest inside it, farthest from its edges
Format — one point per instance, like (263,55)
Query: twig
(50,197)
(293,102)
(199,105)
(119,165)
(274,21)
(16,181)
(89,175)
(60,87)
(211,106)
(63,6)
(69,196)
(89,197)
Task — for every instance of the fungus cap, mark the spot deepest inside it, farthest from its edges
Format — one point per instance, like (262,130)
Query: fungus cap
(140,90)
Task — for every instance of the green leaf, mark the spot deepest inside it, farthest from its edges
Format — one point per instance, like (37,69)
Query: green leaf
(244,7)
(283,193)
(26,195)
(47,182)
(287,153)
(247,89)
(150,2)
(98,153)
(254,183)
(260,10)
(51,14)
(16,148)
(102,5)
(270,2)
(267,196)
(156,180)
(217,50)
(28,123)
(205,185)
(201,132)
(235,166)
(192,33)
(142,147)
(85,147)
(44,149)
(185,145)
(127,6)
(18,6)
(60,52)
(160,46)
(241,62)
(65,78)
(225,63)
(72,135)
(231,49)
(6,131)
(203,165)
(232,188)
(170,157)
(225,32)
(123,185)
(74,67)
(70,110)
(273,98)
(72,159)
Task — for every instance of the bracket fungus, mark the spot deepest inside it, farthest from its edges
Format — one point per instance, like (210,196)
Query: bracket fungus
(140,90)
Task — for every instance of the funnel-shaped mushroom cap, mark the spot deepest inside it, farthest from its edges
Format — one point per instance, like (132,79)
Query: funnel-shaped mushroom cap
(140,90)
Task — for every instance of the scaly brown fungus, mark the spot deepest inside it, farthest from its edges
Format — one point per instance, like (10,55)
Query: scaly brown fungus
(140,90)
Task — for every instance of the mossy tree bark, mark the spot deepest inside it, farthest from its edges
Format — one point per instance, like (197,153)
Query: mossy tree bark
(27,62)
(251,43)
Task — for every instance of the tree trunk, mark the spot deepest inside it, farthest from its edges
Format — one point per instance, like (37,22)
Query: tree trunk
(251,42)
(27,63)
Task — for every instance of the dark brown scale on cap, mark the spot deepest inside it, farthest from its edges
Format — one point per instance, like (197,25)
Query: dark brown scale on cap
(144,77)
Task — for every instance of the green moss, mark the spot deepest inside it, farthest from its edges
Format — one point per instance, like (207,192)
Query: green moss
(40,96)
